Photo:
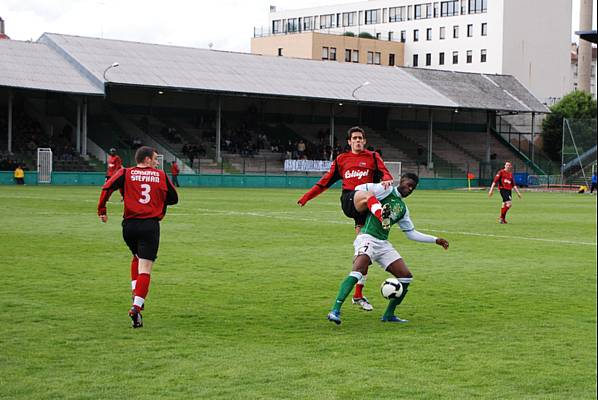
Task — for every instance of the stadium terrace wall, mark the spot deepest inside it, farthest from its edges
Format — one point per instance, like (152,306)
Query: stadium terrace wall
(238,181)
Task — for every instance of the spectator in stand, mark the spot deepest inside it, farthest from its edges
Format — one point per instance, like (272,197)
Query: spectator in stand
(19,175)
(593,185)
(301,149)
(174,170)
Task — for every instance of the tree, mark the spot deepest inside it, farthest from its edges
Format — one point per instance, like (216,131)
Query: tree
(575,105)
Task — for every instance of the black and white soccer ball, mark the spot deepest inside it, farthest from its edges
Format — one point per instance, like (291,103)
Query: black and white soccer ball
(391,288)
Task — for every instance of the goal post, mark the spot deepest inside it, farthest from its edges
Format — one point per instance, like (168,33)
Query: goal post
(395,169)
(44,165)
(160,160)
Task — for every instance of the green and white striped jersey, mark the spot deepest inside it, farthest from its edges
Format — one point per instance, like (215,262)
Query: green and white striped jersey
(399,211)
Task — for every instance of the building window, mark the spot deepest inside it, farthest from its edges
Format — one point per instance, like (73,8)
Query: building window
(423,11)
(440,58)
(391,36)
(349,18)
(429,34)
(391,59)
(277,26)
(483,55)
(456,32)
(469,30)
(415,60)
(377,57)
(324,53)
(449,8)
(436,9)
(347,55)
(403,36)
(484,29)
(442,32)
(455,57)
(416,35)
(418,11)
(280,51)
(292,25)
(378,35)
(333,53)
(396,14)
(370,59)
(326,21)
(355,56)
(409,13)
(308,23)
(428,59)
(478,6)
(463,7)
(371,17)
(429,10)
(469,58)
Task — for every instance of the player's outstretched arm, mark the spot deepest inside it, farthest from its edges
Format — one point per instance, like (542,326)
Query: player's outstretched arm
(491,190)
(103,218)
(517,191)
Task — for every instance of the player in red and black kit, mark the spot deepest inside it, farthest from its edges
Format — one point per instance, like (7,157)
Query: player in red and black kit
(114,163)
(356,167)
(147,192)
(506,182)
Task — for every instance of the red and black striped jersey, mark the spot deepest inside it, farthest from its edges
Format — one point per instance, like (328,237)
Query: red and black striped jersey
(353,169)
(504,179)
(147,192)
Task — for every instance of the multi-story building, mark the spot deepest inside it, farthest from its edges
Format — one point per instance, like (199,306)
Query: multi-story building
(322,46)
(528,39)
(574,68)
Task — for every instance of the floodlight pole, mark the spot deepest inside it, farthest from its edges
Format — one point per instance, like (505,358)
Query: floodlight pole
(357,88)
(113,65)
(331,136)
(219,131)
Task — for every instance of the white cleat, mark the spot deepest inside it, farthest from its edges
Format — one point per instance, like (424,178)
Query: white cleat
(363,303)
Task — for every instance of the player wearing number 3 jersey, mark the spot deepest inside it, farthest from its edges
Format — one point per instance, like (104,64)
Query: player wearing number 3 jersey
(147,192)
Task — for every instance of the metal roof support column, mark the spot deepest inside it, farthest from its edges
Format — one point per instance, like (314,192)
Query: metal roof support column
(331,129)
(78,118)
(430,132)
(9,131)
(218,130)
(533,134)
(487,136)
(84,129)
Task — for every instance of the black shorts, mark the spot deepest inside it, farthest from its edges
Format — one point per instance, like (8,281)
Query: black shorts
(143,237)
(506,195)
(349,209)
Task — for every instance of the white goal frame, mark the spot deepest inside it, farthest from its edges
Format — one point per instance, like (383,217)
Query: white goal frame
(44,165)
(396,170)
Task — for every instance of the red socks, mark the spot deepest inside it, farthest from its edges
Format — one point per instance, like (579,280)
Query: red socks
(141,289)
(503,211)
(358,291)
(134,269)
(375,207)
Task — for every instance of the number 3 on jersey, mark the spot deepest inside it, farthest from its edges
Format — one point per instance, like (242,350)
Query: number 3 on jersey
(145,193)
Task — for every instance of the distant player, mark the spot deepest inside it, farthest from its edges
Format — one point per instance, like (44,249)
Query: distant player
(372,245)
(355,167)
(114,163)
(506,183)
(147,192)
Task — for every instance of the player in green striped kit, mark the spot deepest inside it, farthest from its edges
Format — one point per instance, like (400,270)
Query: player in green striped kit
(372,245)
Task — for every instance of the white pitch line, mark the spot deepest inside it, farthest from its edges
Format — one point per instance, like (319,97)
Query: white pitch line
(205,211)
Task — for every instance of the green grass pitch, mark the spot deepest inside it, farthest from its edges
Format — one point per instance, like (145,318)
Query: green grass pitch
(243,282)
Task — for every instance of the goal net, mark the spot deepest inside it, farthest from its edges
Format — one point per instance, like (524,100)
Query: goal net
(394,167)
(44,165)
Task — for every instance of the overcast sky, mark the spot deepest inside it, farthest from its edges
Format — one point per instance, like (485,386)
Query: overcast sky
(228,24)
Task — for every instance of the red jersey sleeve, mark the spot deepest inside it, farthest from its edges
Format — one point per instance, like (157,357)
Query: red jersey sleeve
(497,176)
(386,176)
(329,179)
(117,181)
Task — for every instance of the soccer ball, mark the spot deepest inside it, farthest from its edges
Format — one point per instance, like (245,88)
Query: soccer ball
(391,288)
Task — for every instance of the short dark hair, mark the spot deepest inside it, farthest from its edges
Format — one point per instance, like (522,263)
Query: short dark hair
(142,152)
(412,176)
(355,129)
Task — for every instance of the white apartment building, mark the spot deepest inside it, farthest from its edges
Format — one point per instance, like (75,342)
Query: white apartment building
(529,39)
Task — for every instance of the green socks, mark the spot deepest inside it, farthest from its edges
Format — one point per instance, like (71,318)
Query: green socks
(393,303)
(346,288)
